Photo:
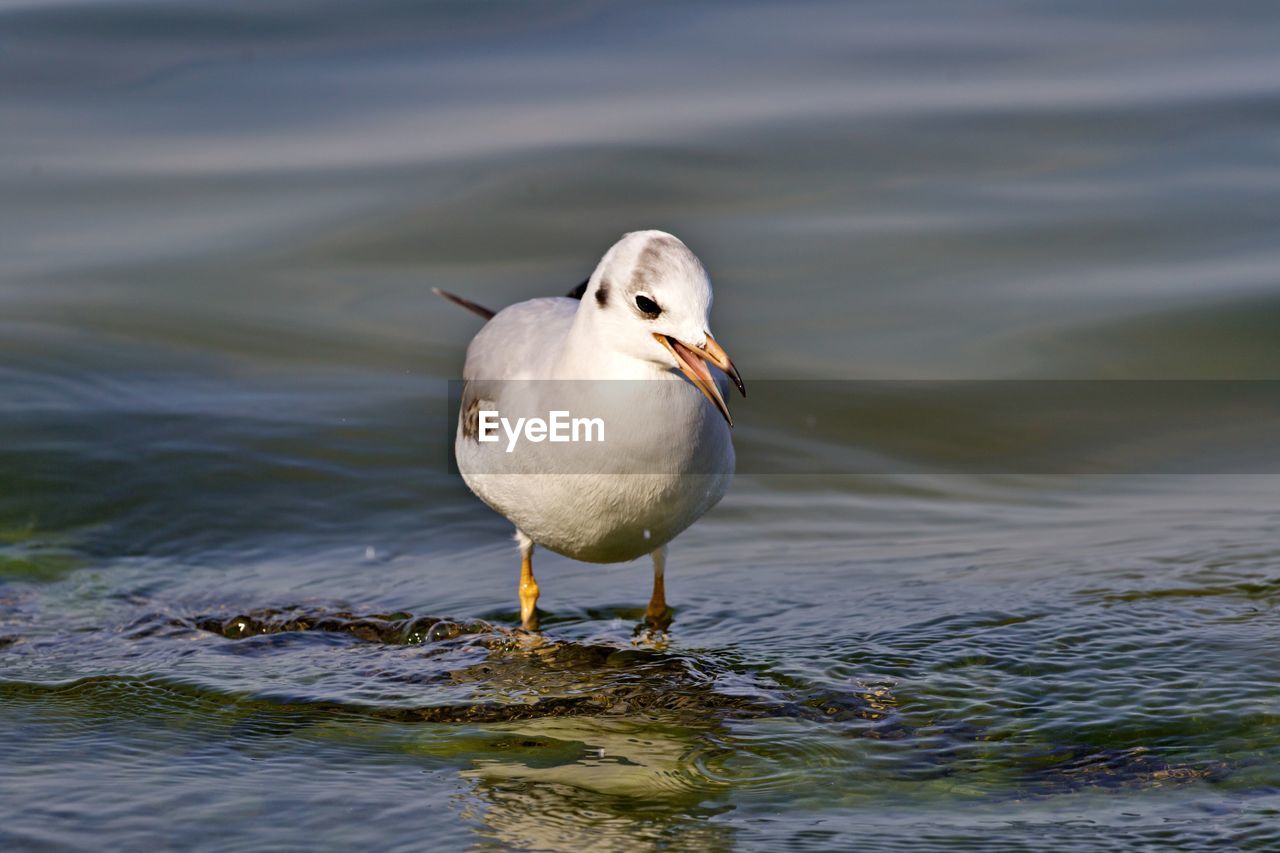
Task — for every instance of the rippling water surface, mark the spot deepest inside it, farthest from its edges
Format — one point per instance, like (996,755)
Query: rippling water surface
(244,602)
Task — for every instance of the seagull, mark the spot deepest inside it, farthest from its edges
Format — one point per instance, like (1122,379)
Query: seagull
(631,345)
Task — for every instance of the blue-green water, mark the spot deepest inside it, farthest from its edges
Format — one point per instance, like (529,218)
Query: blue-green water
(224,483)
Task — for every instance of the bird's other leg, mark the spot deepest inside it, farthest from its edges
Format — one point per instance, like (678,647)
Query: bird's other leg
(658,615)
(528,586)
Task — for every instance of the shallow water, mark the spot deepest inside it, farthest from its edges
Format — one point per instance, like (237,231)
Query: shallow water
(224,425)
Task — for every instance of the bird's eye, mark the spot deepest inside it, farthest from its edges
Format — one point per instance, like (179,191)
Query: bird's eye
(647,306)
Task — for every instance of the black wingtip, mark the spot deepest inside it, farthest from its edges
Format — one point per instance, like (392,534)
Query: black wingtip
(579,291)
(464,303)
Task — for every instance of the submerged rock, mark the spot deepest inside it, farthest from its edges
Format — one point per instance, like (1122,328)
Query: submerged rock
(521,676)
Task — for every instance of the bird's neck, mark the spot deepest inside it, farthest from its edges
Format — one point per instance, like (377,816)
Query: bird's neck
(589,354)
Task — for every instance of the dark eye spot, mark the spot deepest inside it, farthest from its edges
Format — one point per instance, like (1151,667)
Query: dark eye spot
(647,306)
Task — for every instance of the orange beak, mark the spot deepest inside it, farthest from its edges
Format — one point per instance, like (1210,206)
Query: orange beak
(693,364)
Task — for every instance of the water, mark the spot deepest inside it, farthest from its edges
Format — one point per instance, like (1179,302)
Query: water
(225,387)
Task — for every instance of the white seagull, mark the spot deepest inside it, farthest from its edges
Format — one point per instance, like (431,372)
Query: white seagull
(666,456)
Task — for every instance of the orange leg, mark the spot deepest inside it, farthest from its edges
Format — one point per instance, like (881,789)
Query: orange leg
(528,586)
(658,614)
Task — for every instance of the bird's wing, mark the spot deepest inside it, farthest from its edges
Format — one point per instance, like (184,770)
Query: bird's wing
(522,341)
(486,313)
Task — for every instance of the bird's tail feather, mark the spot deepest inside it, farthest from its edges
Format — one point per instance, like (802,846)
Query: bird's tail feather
(465,303)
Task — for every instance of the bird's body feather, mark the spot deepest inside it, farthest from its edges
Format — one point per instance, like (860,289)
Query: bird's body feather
(656,472)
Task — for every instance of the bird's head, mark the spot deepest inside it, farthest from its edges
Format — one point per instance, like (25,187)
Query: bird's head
(651,299)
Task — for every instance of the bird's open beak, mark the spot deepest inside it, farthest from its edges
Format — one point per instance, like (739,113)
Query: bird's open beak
(692,361)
